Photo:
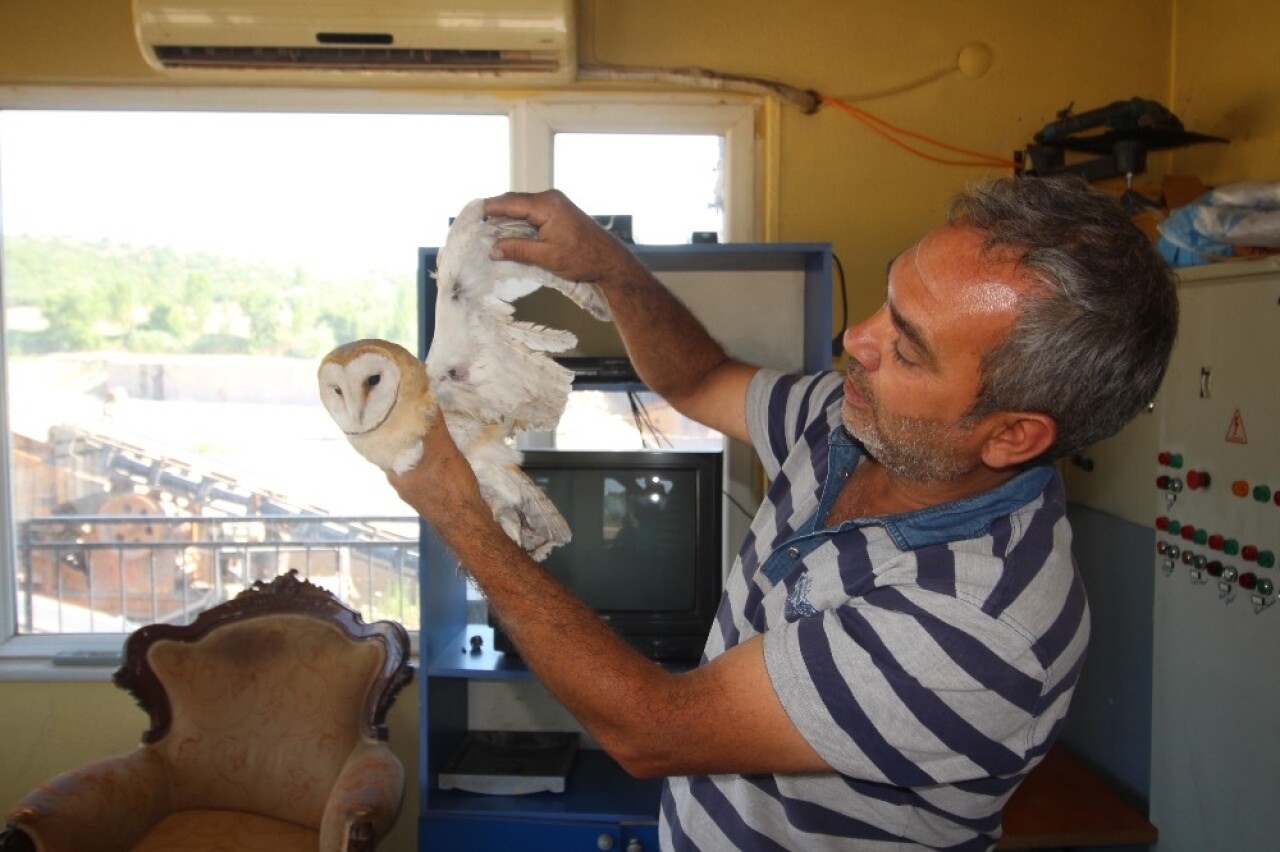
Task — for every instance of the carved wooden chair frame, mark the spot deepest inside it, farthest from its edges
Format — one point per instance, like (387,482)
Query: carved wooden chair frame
(286,594)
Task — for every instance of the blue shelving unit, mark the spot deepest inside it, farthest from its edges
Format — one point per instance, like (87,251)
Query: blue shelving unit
(600,799)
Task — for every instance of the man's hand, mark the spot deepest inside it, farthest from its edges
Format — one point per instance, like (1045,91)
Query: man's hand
(442,488)
(569,244)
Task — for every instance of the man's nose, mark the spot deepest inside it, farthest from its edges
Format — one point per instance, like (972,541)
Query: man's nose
(862,342)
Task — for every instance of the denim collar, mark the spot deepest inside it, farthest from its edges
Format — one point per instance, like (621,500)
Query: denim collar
(968,517)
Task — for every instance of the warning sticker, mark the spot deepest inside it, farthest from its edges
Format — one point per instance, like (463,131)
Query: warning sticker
(1235,432)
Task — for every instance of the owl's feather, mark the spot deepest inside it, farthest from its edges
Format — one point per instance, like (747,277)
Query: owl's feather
(489,374)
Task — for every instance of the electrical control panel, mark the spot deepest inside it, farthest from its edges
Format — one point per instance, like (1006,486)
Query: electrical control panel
(1200,473)
(1213,486)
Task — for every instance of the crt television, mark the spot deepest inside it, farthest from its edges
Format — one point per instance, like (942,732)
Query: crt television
(646,553)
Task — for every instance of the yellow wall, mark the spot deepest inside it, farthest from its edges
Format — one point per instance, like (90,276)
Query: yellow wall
(1226,82)
(829,178)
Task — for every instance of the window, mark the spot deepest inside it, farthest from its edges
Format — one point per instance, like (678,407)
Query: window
(169,281)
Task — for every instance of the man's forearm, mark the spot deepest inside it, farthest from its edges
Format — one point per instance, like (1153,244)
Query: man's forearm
(669,347)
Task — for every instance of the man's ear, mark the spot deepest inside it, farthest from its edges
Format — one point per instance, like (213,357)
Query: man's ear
(1016,437)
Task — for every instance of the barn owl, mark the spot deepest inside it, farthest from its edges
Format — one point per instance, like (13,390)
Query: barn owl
(490,375)
(378,394)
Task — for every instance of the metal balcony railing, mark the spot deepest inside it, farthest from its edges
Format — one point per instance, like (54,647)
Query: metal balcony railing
(112,574)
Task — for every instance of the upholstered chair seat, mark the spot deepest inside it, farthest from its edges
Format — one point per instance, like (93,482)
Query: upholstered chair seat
(267,733)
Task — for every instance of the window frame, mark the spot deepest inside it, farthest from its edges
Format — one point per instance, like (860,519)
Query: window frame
(533,123)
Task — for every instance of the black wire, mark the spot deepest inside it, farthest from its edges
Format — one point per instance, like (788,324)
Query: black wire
(837,342)
(640,416)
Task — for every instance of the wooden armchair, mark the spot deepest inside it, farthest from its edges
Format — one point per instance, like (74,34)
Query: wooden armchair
(267,733)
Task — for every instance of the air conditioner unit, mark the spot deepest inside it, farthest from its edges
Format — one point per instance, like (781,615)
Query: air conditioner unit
(499,42)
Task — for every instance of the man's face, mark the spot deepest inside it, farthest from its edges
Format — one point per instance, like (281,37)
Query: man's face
(913,365)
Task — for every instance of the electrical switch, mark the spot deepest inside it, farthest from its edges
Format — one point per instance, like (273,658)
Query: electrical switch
(1229,574)
(1248,580)
(1265,586)
(1162,482)
(1215,568)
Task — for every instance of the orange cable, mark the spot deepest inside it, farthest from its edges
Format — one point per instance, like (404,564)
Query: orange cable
(879,125)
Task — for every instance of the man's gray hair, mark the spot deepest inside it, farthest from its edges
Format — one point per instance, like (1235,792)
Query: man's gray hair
(1092,342)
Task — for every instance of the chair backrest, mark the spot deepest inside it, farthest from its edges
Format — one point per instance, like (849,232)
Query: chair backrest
(257,704)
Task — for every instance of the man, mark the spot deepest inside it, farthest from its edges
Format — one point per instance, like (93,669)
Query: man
(901,634)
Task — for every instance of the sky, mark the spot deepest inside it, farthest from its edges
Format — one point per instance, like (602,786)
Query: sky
(341,190)
(345,191)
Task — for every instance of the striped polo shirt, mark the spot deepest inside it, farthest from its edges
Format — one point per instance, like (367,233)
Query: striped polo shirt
(929,656)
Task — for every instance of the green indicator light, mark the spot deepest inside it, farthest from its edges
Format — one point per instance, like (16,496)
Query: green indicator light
(1175,460)
(1261,493)
(1231,547)
(1200,536)
(1174,526)
(1266,559)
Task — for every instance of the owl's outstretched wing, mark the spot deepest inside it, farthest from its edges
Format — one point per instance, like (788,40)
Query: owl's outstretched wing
(492,374)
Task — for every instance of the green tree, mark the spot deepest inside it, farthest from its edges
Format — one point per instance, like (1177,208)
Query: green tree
(262,307)
(73,315)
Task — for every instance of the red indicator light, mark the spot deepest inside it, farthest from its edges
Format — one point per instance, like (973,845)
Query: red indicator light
(1197,479)
(1249,553)
(1214,568)
(1215,542)
(1248,580)
(1162,482)
(1187,532)
(1162,523)
(1163,458)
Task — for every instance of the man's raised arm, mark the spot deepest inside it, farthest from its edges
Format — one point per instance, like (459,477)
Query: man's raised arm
(670,349)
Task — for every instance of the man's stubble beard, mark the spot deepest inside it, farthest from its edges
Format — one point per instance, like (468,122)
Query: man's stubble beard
(911,448)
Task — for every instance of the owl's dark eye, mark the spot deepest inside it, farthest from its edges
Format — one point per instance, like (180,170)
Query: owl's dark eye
(373,380)
(337,390)
(456,292)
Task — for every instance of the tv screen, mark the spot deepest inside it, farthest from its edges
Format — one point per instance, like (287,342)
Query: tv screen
(646,548)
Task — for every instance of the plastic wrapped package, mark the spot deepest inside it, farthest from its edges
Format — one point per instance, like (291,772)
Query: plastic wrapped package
(1222,221)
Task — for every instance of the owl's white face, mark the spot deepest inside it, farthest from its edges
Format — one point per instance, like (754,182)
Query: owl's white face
(360,394)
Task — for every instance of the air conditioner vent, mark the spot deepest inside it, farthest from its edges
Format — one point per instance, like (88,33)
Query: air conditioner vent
(357,58)
(355,38)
